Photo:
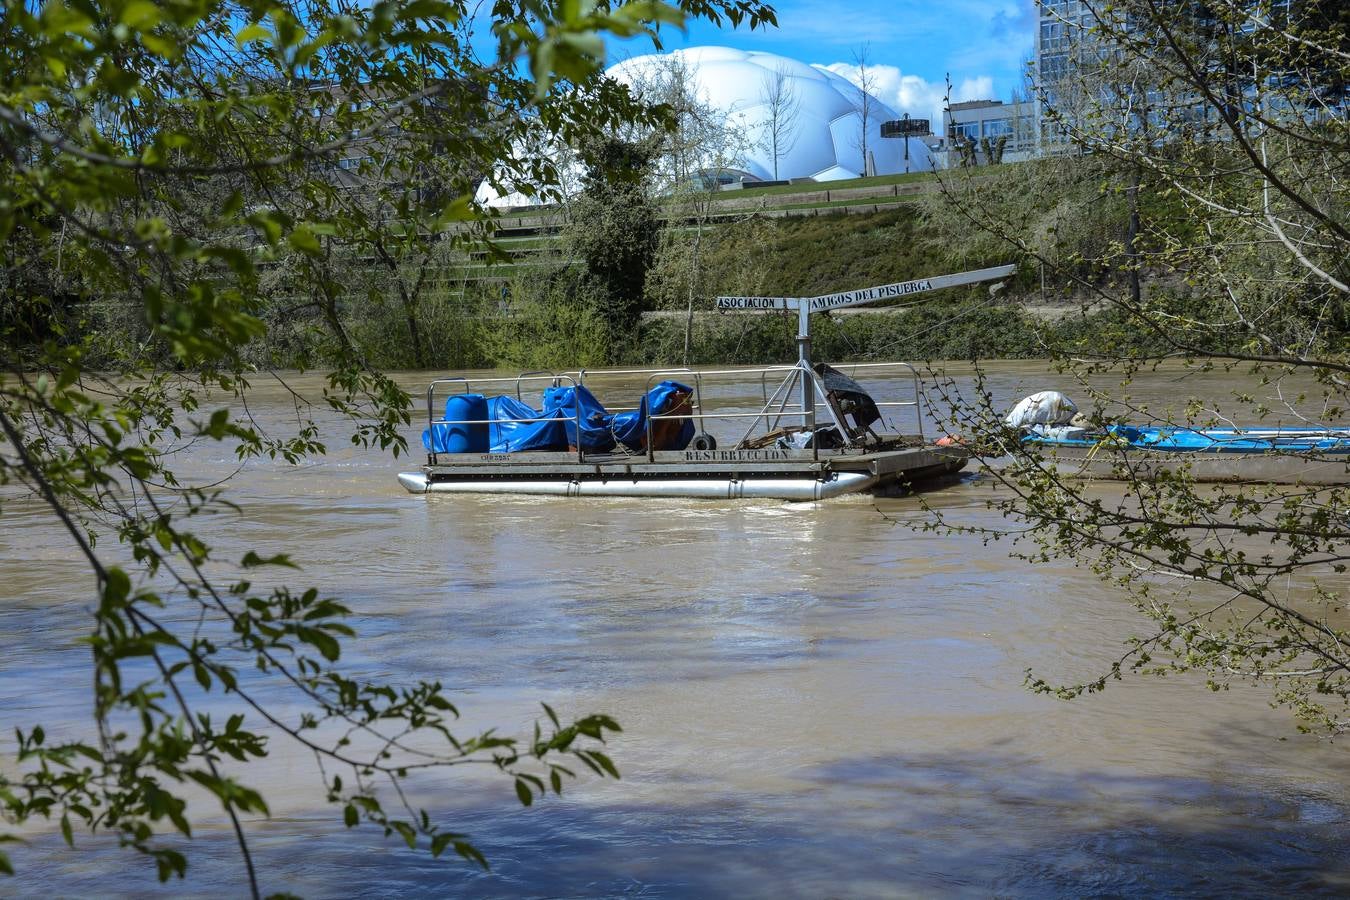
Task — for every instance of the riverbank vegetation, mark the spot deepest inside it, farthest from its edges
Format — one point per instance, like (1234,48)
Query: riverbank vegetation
(623,272)
(542,305)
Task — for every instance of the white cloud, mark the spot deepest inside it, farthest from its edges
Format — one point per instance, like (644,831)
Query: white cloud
(901,23)
(914,95)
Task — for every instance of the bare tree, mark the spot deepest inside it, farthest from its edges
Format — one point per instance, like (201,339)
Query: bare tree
(864,103)
(697,149)
(780,124)
(1223,126)
(719,147)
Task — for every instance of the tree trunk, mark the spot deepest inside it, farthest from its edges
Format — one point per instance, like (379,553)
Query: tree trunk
(1131,234)
(692,281)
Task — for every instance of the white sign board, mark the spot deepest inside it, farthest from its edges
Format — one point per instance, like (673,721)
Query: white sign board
(758,302)
(905,288)
(867,295)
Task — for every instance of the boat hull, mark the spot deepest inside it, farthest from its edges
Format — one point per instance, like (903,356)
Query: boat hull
(1203,467)
(794,489)
(733,475)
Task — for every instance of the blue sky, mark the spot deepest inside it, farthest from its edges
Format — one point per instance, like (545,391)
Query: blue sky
(912,45)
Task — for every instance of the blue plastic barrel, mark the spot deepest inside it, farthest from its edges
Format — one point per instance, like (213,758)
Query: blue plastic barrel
(471,438)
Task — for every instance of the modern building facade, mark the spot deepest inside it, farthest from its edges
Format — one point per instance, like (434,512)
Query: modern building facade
(1080,73)
(1062,36)
(979,132)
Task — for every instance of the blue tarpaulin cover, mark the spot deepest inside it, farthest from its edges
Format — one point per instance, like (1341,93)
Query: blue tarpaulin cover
(1205,440)
(508,433)
(451,436)
(510,430)
(596,436)
(630,428)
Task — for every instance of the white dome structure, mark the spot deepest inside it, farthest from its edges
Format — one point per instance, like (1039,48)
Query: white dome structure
(826,124)
(823,115)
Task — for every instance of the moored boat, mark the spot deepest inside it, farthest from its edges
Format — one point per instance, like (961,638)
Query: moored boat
(1282,455)
(675,442)
(818,434)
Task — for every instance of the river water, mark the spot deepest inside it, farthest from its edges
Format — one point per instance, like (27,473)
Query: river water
(817,700)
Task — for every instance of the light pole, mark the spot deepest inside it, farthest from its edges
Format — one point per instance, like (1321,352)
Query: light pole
(906,132)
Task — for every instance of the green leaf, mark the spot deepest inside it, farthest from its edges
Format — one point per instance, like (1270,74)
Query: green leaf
(325,643)
(141,15)
(471,853)
(268,224)
(232,205)
(587,43)
(523,792)
(116,587)
(304,240)
(408,833)
(165,47)
(252,560)
(62,18)
(650,11)
(254,32)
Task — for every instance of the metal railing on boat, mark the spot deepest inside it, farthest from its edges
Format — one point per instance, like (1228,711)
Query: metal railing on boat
(781,399)
(553,379)
(851,370)
(692,374)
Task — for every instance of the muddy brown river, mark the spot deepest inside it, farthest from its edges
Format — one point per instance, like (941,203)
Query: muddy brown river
(817,700)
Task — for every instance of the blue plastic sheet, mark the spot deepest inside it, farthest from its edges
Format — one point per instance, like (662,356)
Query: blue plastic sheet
(1203,440)
(594,424)
(557,428)
(508,433)
(630,428)
(448,437)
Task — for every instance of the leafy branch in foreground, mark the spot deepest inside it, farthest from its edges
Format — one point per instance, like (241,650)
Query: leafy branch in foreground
(1221,137)
(184,182)
(1240,581)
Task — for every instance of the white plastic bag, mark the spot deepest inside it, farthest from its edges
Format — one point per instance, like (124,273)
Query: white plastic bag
(1044,408)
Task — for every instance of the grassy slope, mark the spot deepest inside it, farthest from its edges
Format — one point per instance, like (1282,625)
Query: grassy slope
(874,181)
(821,254)
(1064,209)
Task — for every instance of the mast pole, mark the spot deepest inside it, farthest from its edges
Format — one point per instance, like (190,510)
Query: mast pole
(806,375)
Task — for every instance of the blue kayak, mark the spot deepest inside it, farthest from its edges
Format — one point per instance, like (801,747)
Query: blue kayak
(1175,439)
(1126,452)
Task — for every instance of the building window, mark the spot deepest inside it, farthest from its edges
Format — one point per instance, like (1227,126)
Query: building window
(997,127)
(966,131)
(1054,67)
(352,163)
